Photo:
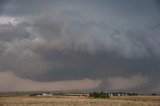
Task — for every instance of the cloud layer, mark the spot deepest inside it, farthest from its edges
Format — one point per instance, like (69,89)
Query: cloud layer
(63,41)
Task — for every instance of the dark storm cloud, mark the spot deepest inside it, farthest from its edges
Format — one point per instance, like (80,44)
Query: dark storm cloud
(157,2)
(61,41)
(23,8)
(2,5)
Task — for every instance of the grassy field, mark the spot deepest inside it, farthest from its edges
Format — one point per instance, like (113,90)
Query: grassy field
(79,101)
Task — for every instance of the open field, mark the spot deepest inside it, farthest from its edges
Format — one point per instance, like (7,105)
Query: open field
(79,101)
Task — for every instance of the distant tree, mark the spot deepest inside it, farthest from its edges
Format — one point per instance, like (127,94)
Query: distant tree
(153,94)
(132,94)
(33,95)
(99,95)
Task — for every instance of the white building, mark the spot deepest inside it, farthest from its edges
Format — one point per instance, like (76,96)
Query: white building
(47,94)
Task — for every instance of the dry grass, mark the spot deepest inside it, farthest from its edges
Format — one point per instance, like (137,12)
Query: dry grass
(138,98)
(79,101)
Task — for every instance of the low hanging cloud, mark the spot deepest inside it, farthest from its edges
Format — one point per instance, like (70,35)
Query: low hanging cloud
(9,82)
(119,83)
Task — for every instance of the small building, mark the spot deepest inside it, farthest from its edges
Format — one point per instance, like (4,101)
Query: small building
(117,94)
(110,94)
(47,94)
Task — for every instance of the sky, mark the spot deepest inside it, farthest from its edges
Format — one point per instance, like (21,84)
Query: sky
(83,45)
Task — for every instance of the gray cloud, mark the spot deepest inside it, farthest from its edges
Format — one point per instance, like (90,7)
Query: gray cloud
(69,44)
(9,32)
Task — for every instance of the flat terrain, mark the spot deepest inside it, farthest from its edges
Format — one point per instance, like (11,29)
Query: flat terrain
(79,101)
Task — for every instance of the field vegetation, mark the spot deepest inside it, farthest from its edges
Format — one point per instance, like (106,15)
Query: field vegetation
(79,101)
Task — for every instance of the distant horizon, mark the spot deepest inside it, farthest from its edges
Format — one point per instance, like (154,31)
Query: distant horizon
(79,92)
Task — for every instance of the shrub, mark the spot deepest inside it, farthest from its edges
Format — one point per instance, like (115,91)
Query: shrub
(98,95)
(153,94)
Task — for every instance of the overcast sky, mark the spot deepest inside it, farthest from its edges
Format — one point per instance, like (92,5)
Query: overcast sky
(109,45)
